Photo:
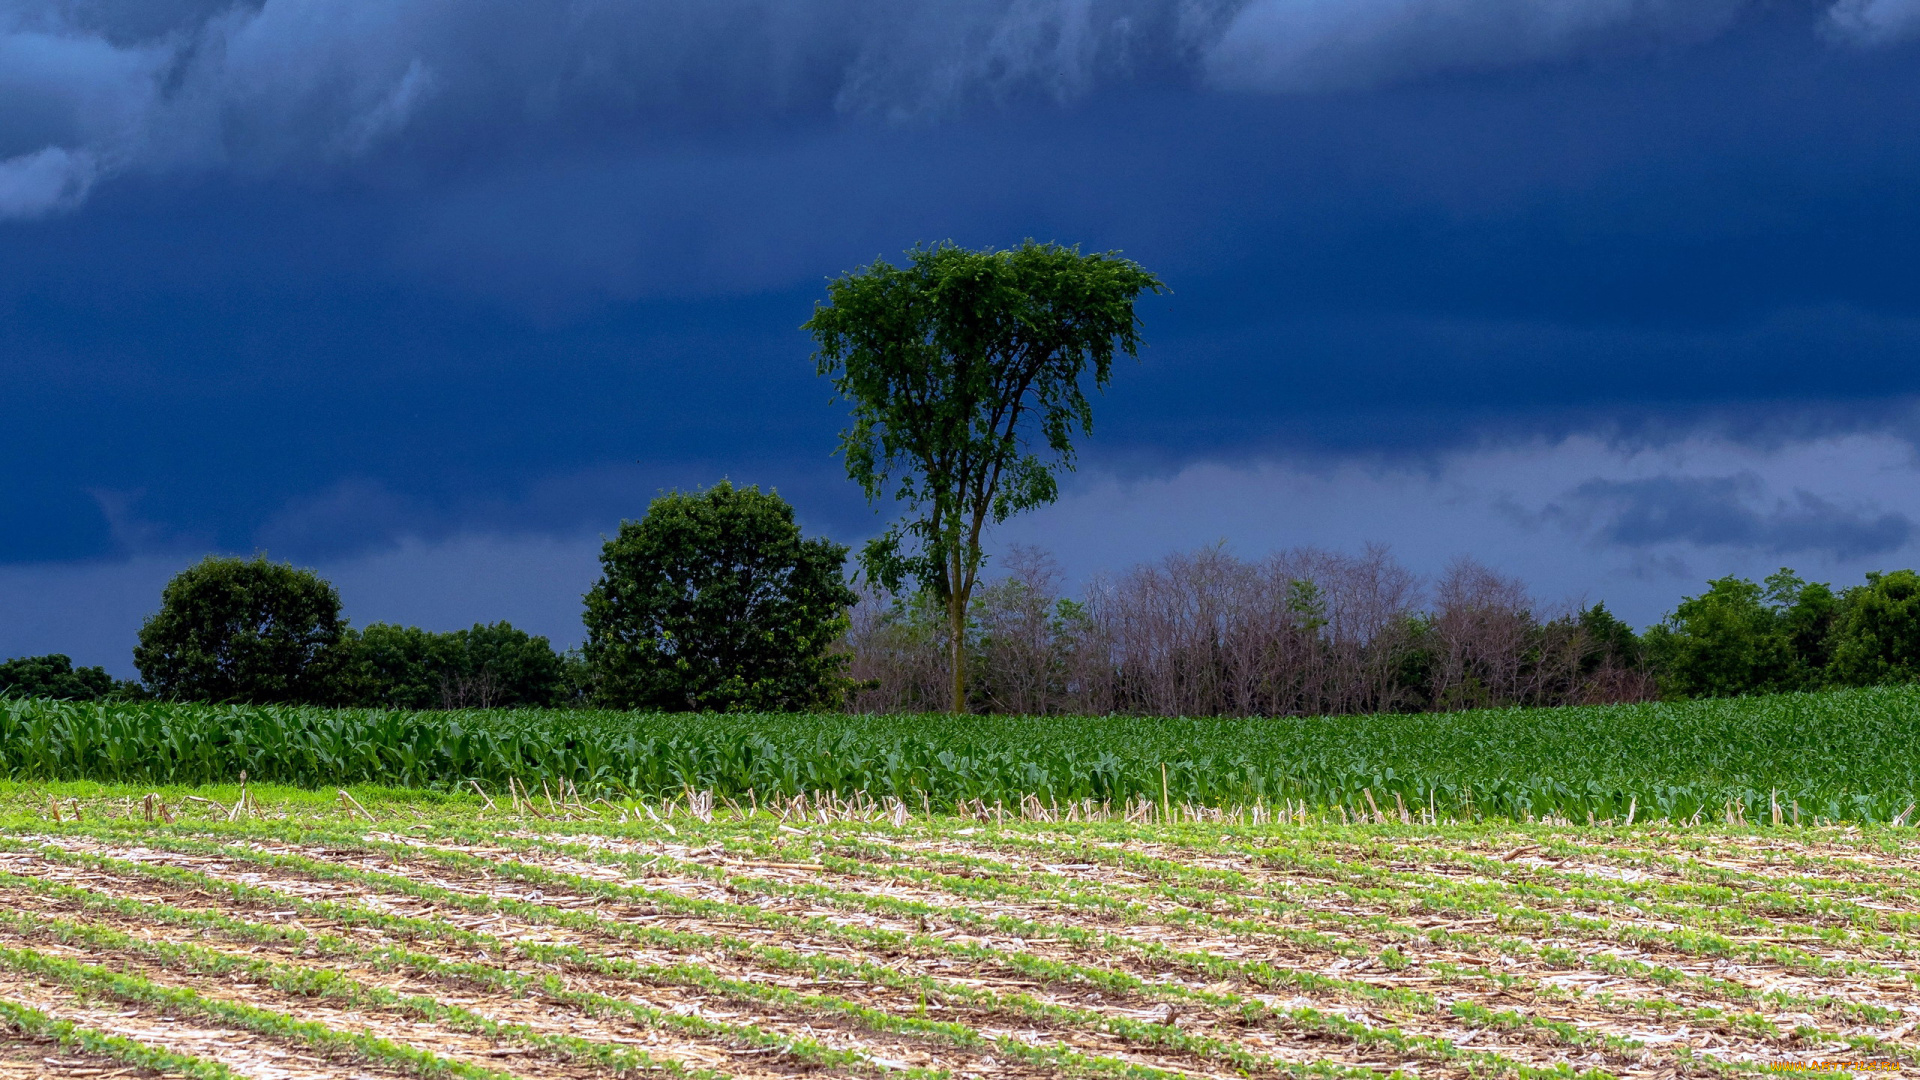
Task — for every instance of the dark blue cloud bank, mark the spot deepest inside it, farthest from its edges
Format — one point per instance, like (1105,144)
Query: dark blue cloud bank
(1616,294)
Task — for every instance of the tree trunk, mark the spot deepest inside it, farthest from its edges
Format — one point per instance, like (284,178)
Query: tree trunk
(956,638)
(956,632)
(957,626)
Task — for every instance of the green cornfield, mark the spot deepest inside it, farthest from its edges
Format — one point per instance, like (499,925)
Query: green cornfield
(1839,756)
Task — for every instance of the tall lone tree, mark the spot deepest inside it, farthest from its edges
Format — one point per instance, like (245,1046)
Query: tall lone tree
(966,371)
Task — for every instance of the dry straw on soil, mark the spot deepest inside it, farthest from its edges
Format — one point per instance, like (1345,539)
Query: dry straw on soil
(548,936)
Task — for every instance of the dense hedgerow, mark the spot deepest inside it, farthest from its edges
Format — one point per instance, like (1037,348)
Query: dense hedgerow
(1840,755)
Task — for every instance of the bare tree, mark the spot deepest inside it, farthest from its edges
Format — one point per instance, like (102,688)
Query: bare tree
(1612,684)
(470,690)
(1300,632)
(1494,646)
(1304,631)
(900,655)
(1480,627)
(1018,656)
(1369,603)
(1164,625)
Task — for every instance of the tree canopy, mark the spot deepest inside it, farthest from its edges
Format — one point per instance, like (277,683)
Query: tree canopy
(1742,637)
(242,630)
(487,666)
(1877,634)
(967,374)
(54,676)
(716,602)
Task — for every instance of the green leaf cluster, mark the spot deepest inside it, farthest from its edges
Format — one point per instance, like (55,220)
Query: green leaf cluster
(956,364)
(1612,642)
(487,666)
(1785,633)
(243,630)
(54,676)
(715,601)
(1877,633)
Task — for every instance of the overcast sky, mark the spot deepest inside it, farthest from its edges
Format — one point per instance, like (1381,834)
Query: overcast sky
(1615,295)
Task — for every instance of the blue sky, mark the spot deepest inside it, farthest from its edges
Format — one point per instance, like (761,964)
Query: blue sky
(1615,295)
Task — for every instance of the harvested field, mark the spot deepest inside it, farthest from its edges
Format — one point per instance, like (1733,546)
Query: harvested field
(483,940)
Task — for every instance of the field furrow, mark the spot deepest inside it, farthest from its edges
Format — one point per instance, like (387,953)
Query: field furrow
(427,1030)
(1556,879)
(1634,857)
(1676,874)
(1003,1024)
(670,1022)
(1269,883)
(1329,942)
(29,1057)
(1621,964)
(1201,1038)
(1367,951)
(555,946)
(1828,860)
(1446,1014)
(244,1052)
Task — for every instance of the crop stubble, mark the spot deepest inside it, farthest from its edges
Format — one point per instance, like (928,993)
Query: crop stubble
(549,949)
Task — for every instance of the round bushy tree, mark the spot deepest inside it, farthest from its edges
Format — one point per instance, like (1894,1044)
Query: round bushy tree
(715,602)
(242,630)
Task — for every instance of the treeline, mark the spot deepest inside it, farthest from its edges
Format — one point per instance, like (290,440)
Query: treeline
(488,666)
(1310,632)
(1302,632)
(257,632)
(1785,633)
(54,676)
(713,602)
(716,602)
(383,666)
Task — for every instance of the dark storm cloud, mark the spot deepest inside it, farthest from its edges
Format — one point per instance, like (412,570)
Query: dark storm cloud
(96,88)
(322,276)
(1733,511)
